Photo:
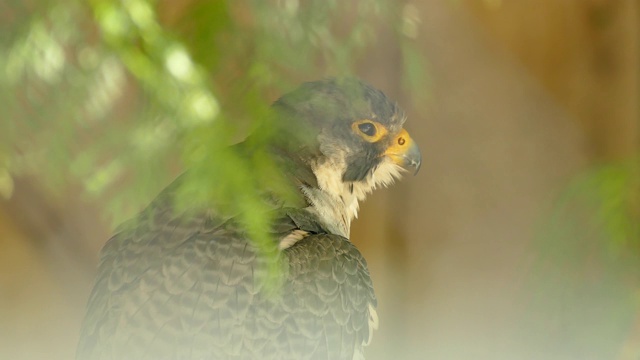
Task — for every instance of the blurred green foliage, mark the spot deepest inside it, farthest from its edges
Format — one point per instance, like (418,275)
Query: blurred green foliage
(587,272)
(115,98)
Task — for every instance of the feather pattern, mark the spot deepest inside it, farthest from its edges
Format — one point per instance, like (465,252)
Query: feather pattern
(191,291)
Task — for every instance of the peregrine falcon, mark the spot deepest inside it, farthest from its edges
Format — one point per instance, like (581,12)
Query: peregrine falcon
(189,284)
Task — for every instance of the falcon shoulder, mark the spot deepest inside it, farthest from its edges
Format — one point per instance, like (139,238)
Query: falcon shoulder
(190,287)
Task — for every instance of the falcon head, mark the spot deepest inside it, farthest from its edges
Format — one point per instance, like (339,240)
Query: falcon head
(351,136)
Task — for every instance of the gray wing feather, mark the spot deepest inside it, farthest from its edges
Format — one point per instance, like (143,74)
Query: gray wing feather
(186,287)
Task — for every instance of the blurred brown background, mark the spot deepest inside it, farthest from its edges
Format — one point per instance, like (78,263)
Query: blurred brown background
(521,97)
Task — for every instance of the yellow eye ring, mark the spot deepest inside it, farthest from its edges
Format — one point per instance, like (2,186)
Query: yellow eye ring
(369,130)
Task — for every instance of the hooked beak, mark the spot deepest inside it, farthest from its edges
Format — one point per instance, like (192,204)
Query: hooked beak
(405,152)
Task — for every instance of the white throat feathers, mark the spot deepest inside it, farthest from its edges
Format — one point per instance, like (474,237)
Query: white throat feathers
(336,202)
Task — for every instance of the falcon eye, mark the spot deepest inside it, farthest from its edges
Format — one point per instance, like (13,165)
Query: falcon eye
(367,128)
